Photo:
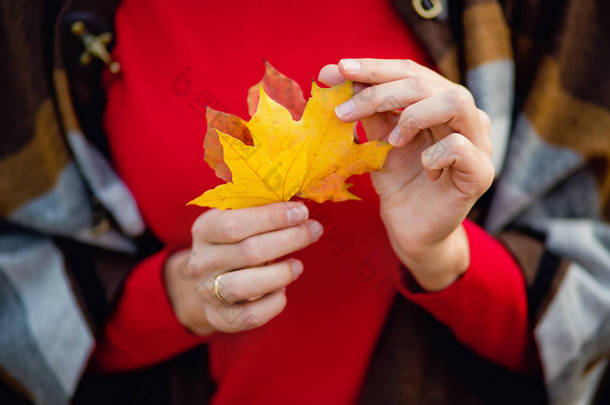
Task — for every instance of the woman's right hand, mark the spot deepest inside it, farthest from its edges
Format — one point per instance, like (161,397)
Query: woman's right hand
(239,244)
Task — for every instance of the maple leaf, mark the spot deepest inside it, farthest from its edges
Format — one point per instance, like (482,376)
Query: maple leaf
(280,88)
(229,124)
(274,157)
(257,179)
(333,156)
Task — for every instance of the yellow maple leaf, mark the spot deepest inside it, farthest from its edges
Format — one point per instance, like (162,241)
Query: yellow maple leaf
(257,179)
(311,158)
(332,155)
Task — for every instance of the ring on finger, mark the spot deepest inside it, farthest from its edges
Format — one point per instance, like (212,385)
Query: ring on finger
(219,297)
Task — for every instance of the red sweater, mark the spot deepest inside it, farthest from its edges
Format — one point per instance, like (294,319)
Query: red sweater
(178,57)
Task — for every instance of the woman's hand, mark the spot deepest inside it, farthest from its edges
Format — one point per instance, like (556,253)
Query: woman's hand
(238,245)
(440,166)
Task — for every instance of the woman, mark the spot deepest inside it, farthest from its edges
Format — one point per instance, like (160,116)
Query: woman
(319,330)
(330,336)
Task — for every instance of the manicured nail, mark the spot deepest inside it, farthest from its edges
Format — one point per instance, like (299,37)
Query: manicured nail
(297,214)
(432,153)
(296,267)
(350,65)
(345,109)
(395,136)
(315,228)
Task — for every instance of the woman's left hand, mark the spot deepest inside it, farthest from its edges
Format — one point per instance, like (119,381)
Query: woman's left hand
(440,166)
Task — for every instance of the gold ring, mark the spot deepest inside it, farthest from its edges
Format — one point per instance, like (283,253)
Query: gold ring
(217,292)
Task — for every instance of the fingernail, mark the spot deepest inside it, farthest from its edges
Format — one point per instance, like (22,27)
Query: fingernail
(297,214)
(297,268)
(432,153)
(394,137)
(345,109)
(315,228)
(350,65)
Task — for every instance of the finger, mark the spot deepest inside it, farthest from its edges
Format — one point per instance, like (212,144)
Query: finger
(261,248)
(255,250)
(386,97)
(231,226)
(358,87)
(486,122)
(454,108)
(473,170)
(330,76)
(254,282)
(376,71)
(247,315)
